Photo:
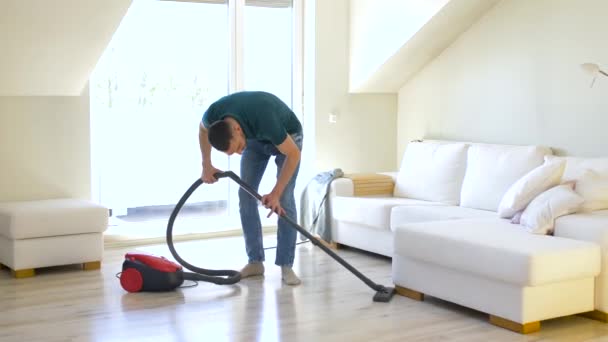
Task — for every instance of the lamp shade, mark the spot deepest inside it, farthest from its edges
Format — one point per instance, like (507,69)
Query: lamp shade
(591,68)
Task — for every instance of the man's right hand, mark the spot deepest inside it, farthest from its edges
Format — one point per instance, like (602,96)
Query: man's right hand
(208,175)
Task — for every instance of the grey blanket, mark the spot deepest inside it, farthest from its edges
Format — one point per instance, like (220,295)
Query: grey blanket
(314,204)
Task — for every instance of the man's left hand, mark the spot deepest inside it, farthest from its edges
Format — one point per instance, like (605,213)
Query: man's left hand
(272,202)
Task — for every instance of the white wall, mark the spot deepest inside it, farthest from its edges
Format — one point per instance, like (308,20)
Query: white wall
(44,147)
(379,28)
(364,137)
(50,47)
(514,77)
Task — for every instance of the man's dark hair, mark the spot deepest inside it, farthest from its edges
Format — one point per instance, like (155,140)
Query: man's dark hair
(220,134)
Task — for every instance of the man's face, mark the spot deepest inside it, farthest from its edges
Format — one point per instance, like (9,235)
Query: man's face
(237,143)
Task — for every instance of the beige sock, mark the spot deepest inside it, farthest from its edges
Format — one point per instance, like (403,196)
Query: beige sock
(289,277)
(252,269)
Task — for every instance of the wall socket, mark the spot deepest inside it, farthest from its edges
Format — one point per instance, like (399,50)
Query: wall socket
(333,118)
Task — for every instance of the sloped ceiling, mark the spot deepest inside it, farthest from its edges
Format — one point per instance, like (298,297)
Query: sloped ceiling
(49,47)
(452,18)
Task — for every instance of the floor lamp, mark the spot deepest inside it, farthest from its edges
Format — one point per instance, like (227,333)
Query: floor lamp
(594,70)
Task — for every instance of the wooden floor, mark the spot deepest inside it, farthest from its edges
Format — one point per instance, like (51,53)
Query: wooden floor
(66,304)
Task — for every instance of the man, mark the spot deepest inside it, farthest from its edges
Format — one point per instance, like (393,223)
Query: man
(258,125)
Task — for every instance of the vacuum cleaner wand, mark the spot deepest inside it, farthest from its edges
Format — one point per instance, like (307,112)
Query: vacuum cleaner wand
(383,294)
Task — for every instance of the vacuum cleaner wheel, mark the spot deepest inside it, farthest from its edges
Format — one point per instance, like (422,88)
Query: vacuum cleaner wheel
(131,280)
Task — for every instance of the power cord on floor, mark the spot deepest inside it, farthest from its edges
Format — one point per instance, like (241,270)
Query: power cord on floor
(297,243)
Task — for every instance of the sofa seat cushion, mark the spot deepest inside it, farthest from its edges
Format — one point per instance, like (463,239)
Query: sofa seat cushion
(496,249)
(403,215)
(373,212)
(44,218)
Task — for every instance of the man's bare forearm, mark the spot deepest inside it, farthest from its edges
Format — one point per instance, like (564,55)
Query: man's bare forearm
(287,171)
(203,141)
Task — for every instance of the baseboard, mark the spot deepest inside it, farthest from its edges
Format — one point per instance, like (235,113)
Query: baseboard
(596,315)
(120,241)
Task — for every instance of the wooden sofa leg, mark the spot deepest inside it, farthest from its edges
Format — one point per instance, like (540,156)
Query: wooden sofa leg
(335,245)
(331,245)
(404,291)
(525,328)
(596,315)
(90,266)
(26,273)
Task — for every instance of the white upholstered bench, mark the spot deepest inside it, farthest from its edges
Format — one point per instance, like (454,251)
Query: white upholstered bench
(496,267)
(44,233)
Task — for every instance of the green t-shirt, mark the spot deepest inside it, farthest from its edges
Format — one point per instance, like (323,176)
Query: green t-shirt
(262,116)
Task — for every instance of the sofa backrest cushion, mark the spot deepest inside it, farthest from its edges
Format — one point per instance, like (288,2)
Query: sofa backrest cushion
(593,186)
(576,166)
(591,177)
(432,172)
(492,169)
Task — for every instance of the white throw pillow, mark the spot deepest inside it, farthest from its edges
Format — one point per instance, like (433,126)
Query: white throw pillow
(432,172)
(539,216)
(593,187)
(529,186)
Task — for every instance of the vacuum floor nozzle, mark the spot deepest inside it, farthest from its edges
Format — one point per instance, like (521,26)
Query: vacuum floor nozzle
(384,295)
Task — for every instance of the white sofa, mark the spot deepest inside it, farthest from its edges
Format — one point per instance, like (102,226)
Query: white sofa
(441,228)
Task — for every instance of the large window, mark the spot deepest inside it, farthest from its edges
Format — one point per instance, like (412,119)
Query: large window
(166,63)
(267,57)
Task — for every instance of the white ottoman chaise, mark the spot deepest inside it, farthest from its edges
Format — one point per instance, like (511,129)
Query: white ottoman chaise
(496,267)
(53,232)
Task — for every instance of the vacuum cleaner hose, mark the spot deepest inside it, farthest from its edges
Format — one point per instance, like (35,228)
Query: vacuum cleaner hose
(220,277)
(223,277)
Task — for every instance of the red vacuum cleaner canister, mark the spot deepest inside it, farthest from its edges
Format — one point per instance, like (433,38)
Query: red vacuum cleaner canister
(146,272)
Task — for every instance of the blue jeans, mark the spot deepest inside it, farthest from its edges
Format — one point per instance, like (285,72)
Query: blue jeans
(253,164)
